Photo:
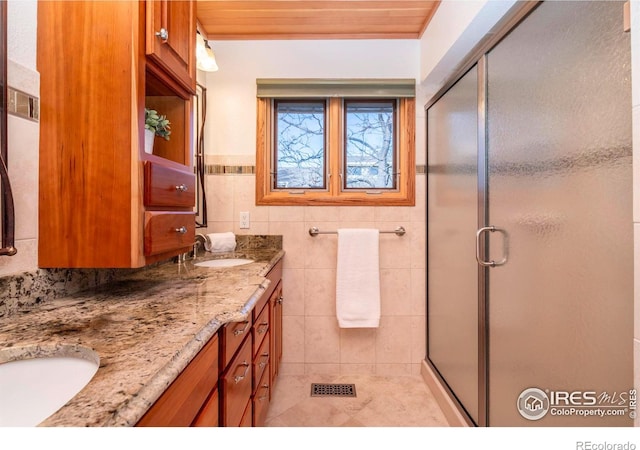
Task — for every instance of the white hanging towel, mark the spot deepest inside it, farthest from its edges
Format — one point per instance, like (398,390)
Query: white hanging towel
(358,278)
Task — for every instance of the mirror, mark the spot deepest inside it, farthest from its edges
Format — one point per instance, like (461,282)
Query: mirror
(7,212)
(200,113)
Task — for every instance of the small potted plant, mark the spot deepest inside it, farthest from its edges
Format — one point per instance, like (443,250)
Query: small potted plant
(154,125)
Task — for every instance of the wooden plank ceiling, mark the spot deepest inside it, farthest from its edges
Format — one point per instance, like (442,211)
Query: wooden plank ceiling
(319,19)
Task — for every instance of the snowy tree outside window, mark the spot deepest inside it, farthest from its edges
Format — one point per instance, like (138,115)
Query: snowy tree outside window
(300,150)
(369,143)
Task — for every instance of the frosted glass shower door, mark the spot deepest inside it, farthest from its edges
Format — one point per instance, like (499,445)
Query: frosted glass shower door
(452,216)
(559,182)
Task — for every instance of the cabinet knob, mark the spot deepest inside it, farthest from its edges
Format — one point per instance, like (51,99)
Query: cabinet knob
(182,188)
(181,230)
(163,34)
(279,301)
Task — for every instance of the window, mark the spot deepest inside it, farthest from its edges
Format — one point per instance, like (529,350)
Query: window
(300,145)
(335,142)
(370,144)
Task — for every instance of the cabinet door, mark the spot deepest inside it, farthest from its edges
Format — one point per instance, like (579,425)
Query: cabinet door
(208,415)
(171,38)
(180,403)
(275,303)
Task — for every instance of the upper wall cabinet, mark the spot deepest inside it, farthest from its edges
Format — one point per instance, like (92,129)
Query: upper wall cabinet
(103,200)
(170,40)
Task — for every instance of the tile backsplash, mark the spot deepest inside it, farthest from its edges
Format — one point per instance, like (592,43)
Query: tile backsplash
(32,288)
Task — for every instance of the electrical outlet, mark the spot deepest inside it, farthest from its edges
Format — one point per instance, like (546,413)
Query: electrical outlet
(244,220)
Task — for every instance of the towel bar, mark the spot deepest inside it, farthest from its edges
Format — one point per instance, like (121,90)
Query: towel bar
(314,231)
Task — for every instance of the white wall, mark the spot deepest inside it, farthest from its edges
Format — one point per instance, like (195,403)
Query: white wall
(313,343)
(23,135)
(455,29)
(232,90)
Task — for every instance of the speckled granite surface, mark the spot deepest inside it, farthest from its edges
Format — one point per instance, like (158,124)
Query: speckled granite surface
(145,329)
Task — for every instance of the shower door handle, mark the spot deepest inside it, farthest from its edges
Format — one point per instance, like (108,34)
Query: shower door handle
(505,247)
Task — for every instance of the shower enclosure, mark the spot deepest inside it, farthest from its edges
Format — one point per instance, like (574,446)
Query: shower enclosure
(530,234)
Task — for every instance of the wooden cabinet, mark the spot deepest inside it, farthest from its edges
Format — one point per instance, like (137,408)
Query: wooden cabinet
(171,39)
(230,381)
(103,201)
(192,399)
(253,341)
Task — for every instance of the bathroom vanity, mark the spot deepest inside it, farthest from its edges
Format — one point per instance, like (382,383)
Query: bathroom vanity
(163,336)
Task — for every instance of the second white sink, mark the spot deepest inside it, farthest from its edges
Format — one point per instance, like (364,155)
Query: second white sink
(34,388)
(229,262)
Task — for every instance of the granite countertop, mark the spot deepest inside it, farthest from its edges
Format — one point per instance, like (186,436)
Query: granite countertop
(144,328)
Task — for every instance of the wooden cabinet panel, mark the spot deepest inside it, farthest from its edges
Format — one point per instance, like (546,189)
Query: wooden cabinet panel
(261,360)
(171,39)
(233,334)
(261,401)
(180,403)
(163,231)
(236,384)
(209,414)
(275,304)
(260,329)
(247,417)
(166,186)
(274,276)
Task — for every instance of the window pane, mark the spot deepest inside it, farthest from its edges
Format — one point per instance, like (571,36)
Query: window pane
(300,145)
(370,145)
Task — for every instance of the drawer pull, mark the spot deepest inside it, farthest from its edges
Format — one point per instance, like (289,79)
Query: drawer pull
(264,363)
(239,332)
(181,230)
(264,397)
(163,34)
(238,378)
(263,327)
(182,188)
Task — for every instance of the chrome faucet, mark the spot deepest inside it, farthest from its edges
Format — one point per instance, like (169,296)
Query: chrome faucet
(202,241)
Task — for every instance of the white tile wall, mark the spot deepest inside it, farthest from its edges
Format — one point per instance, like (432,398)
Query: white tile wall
(313,342)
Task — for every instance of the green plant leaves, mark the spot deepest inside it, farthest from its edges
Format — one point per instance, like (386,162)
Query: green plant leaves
(159,124)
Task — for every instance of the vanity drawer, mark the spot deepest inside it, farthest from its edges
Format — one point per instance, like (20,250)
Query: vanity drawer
(260,329)
(261,401)
(166,231)
(261,361)
(236,385)
(233,334)
(167,186)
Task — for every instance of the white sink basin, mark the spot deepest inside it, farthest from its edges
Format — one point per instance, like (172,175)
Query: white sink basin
(229,262)
(33,388)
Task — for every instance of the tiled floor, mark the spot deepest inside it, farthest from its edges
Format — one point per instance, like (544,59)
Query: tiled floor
(380,402)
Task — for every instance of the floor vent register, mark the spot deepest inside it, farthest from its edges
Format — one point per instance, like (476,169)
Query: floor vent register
(333,390)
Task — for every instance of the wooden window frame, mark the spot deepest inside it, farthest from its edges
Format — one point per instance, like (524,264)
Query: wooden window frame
(335,195)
